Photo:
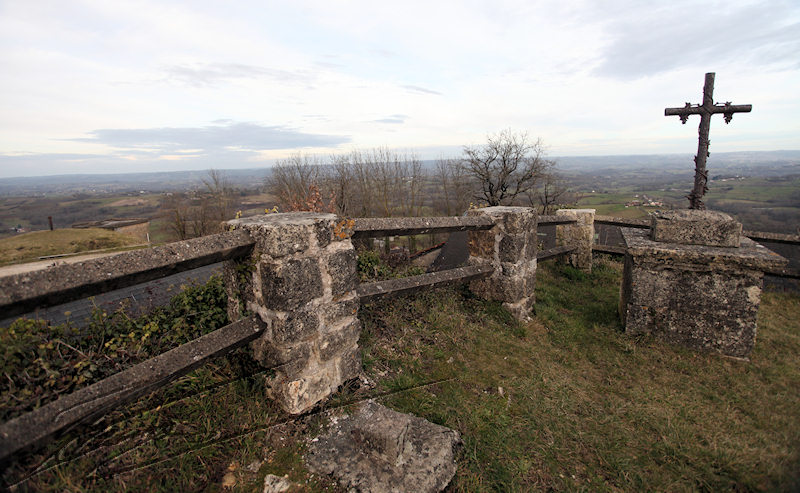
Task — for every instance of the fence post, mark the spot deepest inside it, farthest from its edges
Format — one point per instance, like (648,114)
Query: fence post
(300,280)
(579,234)
(510,248)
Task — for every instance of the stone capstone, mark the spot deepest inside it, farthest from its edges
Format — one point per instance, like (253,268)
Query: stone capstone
(378,450)
(696,227)
(696,296)
(282,234)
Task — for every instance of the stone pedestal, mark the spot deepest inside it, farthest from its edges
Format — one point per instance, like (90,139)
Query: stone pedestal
(509,247)
(699,296)
(580,234)
(301,281)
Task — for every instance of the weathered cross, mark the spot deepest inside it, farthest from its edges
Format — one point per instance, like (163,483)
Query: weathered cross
(705,111)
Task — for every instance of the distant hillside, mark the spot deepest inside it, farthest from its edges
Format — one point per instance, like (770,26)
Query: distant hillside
(125,182)
(758,163)
(31,246)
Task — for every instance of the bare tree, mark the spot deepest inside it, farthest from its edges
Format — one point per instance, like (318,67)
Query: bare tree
(219,198)
(506,166)
(455,186)
(551,193)
(200,212)
(291,179)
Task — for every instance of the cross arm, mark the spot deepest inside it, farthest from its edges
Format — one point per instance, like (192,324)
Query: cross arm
(717,108)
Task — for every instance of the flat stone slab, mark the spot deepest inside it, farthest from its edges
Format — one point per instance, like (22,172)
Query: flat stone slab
(376,449)
(749,255)
(696,227)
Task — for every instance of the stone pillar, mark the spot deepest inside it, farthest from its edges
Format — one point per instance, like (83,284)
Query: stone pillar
(510,247)
(693,280)
(580,234)
(301,282)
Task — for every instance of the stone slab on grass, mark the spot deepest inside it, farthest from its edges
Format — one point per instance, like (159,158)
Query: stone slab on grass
(376,449)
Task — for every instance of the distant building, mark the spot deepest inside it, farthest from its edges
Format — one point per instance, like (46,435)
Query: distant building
(136,227)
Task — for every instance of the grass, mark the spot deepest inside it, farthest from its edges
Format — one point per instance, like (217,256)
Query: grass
(566,402)
(31,246)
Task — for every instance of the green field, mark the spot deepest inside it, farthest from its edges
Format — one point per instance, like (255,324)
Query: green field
(761,204)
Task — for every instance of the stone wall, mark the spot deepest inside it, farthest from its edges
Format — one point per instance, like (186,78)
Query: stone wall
(301,281)
(510,247)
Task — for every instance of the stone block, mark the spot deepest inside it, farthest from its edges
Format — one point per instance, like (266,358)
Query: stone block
(696,227)
(301,393)
(697,296)
(511,248)
(295,326)
(380,450)
(289,283)
(481,243)
(335,342)
(349,364)
(513,220)
(342,267)
(278,235)
(332,313)
(288,359)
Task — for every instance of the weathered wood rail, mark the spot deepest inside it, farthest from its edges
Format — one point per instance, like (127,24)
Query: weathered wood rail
(554,252)
(22,293)
(374,227)
(88,403)
(406,226)
(370,291)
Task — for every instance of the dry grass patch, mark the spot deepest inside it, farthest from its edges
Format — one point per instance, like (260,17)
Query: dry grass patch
(31,246)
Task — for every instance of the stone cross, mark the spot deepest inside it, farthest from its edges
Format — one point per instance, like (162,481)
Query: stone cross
(705,111)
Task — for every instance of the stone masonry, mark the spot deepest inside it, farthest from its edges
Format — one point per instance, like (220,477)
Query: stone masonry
(301,281)
(579,234)
(510,247)
(699,296)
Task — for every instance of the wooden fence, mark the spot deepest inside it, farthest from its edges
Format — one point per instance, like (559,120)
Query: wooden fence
(23,293)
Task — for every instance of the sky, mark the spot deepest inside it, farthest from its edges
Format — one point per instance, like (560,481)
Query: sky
(98,86)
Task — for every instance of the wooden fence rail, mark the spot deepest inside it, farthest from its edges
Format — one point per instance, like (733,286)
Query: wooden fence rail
(373,227)
(554,252)
(554,220)
(373,290)
(99,398)
(23,293)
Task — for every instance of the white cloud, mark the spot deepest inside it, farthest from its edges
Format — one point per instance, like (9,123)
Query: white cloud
(585,76)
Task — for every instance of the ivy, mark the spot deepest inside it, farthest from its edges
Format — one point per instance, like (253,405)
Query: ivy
(41,361)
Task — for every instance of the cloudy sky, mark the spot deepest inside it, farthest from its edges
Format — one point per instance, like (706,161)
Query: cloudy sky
(90,86)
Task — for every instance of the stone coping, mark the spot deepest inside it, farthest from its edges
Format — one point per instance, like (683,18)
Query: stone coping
(749,255)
